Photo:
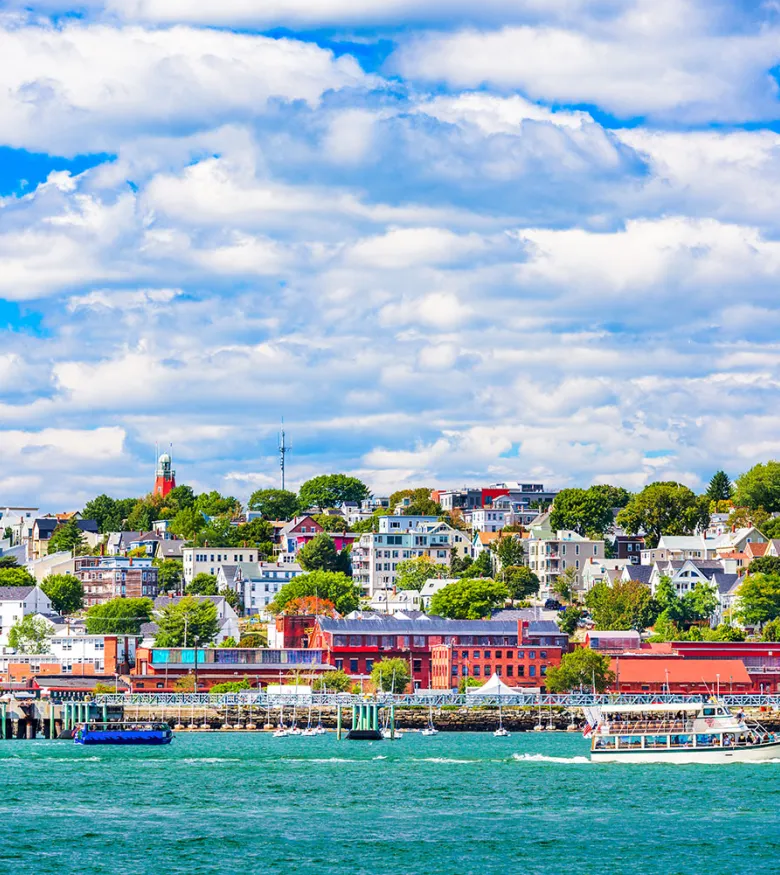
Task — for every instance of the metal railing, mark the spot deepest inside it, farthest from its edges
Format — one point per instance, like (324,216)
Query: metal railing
(437,700)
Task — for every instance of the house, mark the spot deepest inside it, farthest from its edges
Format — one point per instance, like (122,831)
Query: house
(679,547)
(431,587)
(727,585)
(639,573)
(19,520)
(206,560)
(44,527)
(257,583)
(487,519)
(483,541)
(737,540)
(629,547)
(684,574)
(549,554)
(60,562)
(108,577)
(396,602)
(601,571)
(16,602)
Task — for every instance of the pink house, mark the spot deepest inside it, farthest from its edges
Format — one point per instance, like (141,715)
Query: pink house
(299,531)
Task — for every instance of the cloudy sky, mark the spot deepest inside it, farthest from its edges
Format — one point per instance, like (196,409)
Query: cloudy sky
(449,241)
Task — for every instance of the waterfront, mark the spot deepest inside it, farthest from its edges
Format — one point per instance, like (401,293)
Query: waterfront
(455,803)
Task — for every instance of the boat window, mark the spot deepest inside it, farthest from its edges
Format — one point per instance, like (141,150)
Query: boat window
(709,712)
(705,740)
(682,741)
(653,741)
(605,742)
(630,741)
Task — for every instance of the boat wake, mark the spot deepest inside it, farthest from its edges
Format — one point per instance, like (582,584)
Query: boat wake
(541,758)
(445,760)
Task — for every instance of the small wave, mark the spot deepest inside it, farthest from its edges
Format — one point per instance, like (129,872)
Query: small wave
(541,758)
(380,757)
(445,760)
(194,760)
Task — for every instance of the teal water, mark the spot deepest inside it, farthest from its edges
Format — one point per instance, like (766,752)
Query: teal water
(454,804)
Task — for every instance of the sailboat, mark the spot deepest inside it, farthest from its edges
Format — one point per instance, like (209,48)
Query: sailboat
(501,732)
(282,731)
(310,730)
(539,726)
(430,729)
(319,729)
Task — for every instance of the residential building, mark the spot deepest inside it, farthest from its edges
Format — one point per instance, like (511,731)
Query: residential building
(257,583)
(20,522)
(524,494)
(397,602)
(487,519)
(61,562)
(629,547)
(601,571)
(549,554)
(206,560)
(300,531)
(684,574)
(431,587)
(16,602)
(44,527)
(108,577)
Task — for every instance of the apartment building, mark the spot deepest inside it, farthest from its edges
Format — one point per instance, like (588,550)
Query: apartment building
(549,555)
(108,577)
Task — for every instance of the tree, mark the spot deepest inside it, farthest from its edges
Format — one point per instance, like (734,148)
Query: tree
(333,681)
(106,513)
(413,573)
(188,622)
(771,528)
(720,488)
(231,686)
(180,498)
(391,675)
(219,531)
(230,641)
(331,523)
(700,603)
(520,581)
(16,577)
(185,684)
(65,591)
(420,502)
(169,574)
(744,517)
(759,487)
(664,508)
(214,504)
(771,632)
(461,566)
(669,603)
(8,562)
(255,534)
(330,490)
(584,668)
(253,640)
(119,616)
(187,523)
(765,565)
(30,635)
(66,537)
(563,585)
(665,628)
(469,682)
(320,554)
(482,566)
(583,510)
(310,605)
(274,504)
(202,584)
(624,605)
(469,599)
(759,599)
(509,550)
(333,587)
(569,620)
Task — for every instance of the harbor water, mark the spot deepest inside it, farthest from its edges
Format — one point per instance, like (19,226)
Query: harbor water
(453,803)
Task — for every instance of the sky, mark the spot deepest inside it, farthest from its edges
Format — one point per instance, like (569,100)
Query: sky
(448,241)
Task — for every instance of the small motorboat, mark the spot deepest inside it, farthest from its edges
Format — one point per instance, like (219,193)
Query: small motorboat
(501,732)
(96,732)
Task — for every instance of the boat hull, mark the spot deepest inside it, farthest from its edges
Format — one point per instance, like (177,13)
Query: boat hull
(710,756)
(119,737)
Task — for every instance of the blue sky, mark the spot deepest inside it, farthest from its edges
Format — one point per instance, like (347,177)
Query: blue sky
(449,241)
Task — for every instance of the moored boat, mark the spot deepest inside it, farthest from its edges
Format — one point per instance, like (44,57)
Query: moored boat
(96,732)
(677,732)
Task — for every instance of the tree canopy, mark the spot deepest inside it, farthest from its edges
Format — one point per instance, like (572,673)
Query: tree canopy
(469,598)
(624,605)
(67,537)
(30,635)
(509,549)
(412,573)
(14,576)
(320,554)
(202,584)
(331,522)
(333,587)
(169,574)
(758,599)
(664,508)
(420,502)
(521,582)
(119,616)
(274,504)
(188,622)
(65,591)
(333,681)
(329,490)
(214,504)
(391,675)
(584,668)
(759,487)
(720,488)
(584,511)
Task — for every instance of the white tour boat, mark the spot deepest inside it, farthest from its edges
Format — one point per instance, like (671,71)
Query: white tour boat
(701,732)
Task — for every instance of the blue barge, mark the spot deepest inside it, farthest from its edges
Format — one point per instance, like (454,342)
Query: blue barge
(123,733)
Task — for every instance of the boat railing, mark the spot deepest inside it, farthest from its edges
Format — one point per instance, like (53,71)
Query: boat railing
(655,727)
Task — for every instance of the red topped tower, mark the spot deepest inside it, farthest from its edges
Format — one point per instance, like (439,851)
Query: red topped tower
(165,476)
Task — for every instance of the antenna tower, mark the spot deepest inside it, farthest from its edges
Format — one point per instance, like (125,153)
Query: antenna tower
(284,448)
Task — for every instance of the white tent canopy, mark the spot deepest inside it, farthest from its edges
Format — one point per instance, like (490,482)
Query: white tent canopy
(494,687)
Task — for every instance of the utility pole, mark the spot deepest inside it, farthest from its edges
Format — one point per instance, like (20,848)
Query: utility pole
(284,448)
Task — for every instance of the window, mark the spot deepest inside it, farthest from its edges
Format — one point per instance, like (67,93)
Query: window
(542,654)
(510,670)
(532,671)
(487,654)
(476,671)
(532,654)
(498,654)
(340,664)
(454,669)
(476,654)
(498,670)
(464,654)
(369,665)
(353,666)
(521,671)
(543,670)
(416,666)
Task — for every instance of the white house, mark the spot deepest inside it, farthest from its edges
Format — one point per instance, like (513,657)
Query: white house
(257,583)
(206,560)
(685,574)
(598,570)
(431,587)
(16,602)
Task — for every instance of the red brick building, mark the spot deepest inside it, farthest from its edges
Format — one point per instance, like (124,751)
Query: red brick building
(108,577)
(520,665)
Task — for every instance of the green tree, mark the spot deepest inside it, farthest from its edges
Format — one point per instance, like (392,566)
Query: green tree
(413,573)
(230,641)
(509,550)
(765,565)
(142,515)
(669,602)
(231,686)
(233,599)
(582,510)
(624,605)
(253,640)
(771,631)
(469,599)
(331,523)
(569,620)
(202,584)
(214,504)
(664,508)
(333,681)
(745,517)
(759,599)
(700,603)
(30,635)
(8,562)
(105,511)
(771,528)
(584,668)
(320,554)
(468,683)
(482,566)
(187,523)
(563,585)
(65,591)
(170,573)
(759,487)
(327,585)
(666,628)
(180,498)
(119,616)
(67,537)
(520,581)
(461,566)
(16,577)
(329,490)
(255,534)
(188,622)
(720,488)
(420,502)
(274,504)
(391,675)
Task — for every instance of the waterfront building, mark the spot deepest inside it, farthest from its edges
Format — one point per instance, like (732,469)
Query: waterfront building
(108,577)
(643,673)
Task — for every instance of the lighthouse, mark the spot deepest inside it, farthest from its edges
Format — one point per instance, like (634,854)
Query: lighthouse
(165,476)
